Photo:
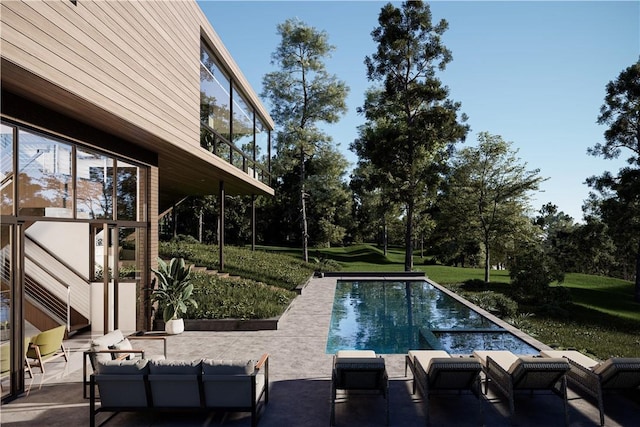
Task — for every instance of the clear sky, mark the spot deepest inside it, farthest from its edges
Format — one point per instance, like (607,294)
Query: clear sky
(533,72)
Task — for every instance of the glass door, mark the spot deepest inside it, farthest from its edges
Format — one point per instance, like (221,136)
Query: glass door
(11,309)
(104,273)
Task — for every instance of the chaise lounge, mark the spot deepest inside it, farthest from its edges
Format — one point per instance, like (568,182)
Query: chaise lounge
(358,370)
(436,370)
(593,377)
(510,373)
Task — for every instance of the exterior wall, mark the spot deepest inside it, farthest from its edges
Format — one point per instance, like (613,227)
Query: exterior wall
(138,60)
(130,68)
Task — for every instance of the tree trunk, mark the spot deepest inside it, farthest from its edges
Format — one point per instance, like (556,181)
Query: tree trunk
(384,236)
(303,209)
(408,242)
(487,260)
(637,294)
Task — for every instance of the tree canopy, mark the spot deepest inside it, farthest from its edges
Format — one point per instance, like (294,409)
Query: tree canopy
(486,195)
(303,95)
(410,121)
(618,200)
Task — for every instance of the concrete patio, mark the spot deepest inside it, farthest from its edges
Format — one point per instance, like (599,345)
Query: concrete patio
(300,378)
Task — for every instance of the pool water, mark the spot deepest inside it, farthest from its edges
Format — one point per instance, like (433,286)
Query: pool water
(393,317)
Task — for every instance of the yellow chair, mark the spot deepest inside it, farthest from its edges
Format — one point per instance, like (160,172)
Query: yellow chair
(5,360)
(47,346)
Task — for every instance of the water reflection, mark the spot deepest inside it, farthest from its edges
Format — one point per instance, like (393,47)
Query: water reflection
(394,317)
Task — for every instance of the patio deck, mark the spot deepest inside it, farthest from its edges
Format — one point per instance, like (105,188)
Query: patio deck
(300,379)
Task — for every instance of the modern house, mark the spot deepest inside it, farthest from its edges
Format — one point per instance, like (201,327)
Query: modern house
(111,113)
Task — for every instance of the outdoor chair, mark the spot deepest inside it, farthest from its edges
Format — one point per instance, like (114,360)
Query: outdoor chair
(436,370)
(46,346)
(510,373)
(593,377)
(358,370)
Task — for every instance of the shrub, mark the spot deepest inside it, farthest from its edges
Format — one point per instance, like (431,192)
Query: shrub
(531,274)
(474,285)
(498,304)
(223,298)
(273,269)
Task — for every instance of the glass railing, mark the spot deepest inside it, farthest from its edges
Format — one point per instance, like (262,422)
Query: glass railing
(216,144)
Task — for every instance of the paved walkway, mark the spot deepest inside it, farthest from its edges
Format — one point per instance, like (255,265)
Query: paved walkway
(300,377)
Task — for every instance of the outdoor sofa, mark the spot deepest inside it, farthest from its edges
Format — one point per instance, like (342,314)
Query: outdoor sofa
(163,385)
(593,377)
(436,371)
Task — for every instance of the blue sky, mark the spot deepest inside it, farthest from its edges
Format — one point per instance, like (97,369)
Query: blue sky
(533,72)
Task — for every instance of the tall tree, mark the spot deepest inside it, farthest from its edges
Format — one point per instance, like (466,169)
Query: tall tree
(488,191)
(410,120)
(302,95)
(621,113)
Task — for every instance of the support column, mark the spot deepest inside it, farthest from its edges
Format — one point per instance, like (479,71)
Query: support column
(221,222)
(253,222)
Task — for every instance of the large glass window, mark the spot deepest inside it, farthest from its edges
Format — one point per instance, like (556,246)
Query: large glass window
(215,98)
(242,126)
(6,271)
(262,147)
(127,192)
(6,170)
(44,176)
(94,185)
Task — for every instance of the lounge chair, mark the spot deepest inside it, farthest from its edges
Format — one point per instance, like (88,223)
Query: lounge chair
(510,373)
(358,370)
(46,346)
(436,370)
(593,377)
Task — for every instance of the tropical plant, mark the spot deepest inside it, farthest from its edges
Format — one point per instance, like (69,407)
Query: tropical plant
(174,289)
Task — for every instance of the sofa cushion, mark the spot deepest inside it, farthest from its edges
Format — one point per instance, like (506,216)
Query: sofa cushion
(123,367)
(175,367)
(228,367)
(125,344)
(102,343)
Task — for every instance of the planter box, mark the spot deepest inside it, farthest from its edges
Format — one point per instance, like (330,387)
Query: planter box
(231,324)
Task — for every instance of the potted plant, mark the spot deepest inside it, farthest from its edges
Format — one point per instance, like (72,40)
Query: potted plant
(173,293)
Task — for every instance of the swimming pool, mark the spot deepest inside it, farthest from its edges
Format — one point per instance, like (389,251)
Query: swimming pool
(393,317)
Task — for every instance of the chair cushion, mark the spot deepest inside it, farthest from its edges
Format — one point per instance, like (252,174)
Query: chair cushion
(228,367)
(123,367)
(572,355)
(175,367)
(356,353)
(502,358)
(424,357)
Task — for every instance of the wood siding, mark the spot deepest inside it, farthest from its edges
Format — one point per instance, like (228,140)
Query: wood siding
(130,68)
